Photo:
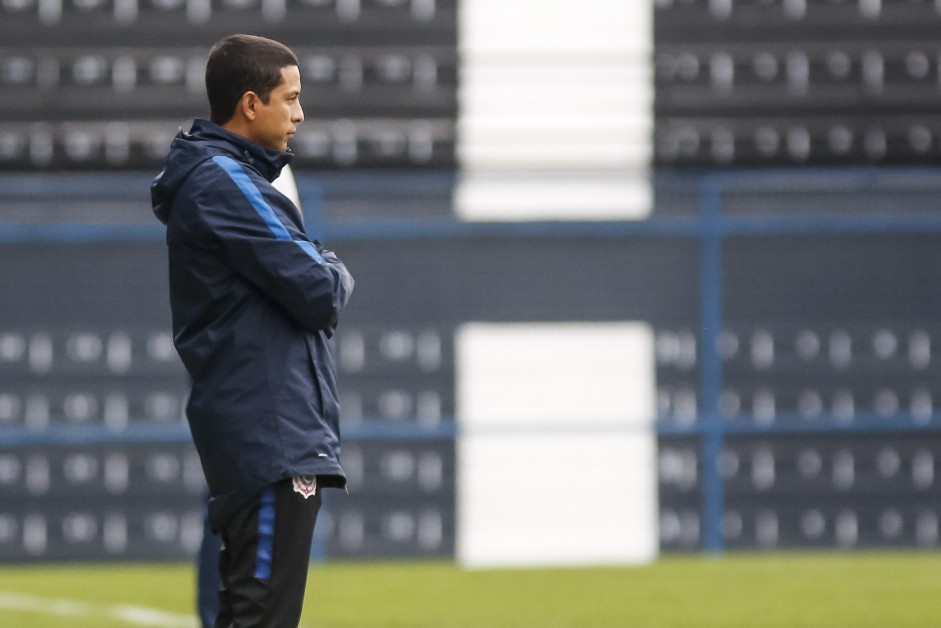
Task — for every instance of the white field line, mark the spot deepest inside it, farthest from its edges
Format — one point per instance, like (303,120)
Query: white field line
(135,615)
(143,616)
(20,602)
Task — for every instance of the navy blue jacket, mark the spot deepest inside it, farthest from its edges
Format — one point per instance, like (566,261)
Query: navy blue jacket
(254,302)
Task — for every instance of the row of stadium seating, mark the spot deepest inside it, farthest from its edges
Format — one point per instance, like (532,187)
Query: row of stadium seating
(85,531)
(867,492)
(142,145)
(812,373)
(151,83)
(157,469)
(425,529)
(803,490)
(148,530)
(144,352)
(816,76)
(809,467)
(776,524)
(673,16)
(147,16)
(764,404)
(429,405)
(116,403)
(151,352)
(890,469)
(850,138)
(115,378)
(772,348)
(101,471)
(395,528)
(118,379)
(120,352)
(119,404)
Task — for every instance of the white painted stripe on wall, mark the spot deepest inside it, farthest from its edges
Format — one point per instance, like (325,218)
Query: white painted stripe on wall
(556,373)
(556,452)
(523,26)
(551,87)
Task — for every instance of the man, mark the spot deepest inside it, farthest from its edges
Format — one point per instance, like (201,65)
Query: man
(207,560)
(254,302)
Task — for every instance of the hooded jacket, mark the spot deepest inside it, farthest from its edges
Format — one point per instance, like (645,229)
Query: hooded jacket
(254,302)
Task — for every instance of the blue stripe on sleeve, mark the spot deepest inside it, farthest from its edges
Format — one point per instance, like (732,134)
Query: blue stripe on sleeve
(253,194)
(265,535)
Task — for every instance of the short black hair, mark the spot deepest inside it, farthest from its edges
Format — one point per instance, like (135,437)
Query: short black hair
(239,64)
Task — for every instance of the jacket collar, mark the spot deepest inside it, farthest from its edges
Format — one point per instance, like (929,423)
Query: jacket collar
(267,161)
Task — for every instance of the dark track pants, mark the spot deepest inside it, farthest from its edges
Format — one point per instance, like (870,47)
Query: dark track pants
(264,560)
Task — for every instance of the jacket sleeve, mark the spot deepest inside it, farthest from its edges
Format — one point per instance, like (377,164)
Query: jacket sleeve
(310,283)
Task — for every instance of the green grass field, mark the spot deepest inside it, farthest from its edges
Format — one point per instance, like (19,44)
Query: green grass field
(830,590)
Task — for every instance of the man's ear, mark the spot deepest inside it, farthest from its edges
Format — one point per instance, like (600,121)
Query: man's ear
(248,104)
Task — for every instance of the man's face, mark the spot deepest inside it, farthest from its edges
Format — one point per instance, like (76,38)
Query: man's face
(276,122)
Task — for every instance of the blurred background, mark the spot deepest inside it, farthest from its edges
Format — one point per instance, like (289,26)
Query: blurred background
(724,211)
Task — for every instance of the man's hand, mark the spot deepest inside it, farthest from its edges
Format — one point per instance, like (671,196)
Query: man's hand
(342,274)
